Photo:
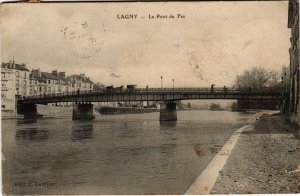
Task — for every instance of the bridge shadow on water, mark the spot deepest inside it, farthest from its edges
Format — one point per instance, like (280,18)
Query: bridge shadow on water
(82,130)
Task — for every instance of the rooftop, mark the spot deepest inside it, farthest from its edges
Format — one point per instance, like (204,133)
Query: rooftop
(51,76)
(13,65)
(81,77)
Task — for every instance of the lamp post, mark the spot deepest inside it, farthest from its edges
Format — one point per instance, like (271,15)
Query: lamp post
(161,81)
(173,87)
(147,96)
(173,83)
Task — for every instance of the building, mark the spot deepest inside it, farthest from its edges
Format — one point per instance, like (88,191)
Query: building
(80,82)
(37,83)
(56,82)
(293,24)
(8,88)
(285,81)
(21,77)
(15,83)
(48,82)
(18,81)
(22,80)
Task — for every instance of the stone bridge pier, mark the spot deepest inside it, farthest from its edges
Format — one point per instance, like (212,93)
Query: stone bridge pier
(83,111)
(168,111)
(29,110)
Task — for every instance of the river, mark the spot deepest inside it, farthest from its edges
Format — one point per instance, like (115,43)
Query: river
(120,154)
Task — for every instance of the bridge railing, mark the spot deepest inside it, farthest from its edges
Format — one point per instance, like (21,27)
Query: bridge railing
(151,90)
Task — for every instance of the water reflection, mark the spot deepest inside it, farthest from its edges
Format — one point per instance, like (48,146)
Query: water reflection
(167,124)
(26,121)
(31,134)
(123,131)
(82,130)
(168,148)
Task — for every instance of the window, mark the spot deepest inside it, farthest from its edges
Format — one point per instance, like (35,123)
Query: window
(17,73)
(2,106)
(3,75)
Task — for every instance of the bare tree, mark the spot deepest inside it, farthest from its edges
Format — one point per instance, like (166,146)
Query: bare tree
(258,78)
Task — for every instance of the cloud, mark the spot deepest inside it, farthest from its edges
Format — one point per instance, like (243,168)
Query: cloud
(204,48)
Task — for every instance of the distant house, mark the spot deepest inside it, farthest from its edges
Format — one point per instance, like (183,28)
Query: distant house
(56,82)
(37,83)
(80,82)
(99,86)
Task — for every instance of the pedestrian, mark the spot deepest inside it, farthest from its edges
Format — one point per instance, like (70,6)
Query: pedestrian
(212,88)
(225,89)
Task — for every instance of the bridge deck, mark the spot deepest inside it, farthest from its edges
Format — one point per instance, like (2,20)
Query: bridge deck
(151,94)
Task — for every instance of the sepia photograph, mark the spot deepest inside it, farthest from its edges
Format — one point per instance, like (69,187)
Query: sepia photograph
(150,98)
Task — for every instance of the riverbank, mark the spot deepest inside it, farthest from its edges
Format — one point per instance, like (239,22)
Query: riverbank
(45,110)
(266,159)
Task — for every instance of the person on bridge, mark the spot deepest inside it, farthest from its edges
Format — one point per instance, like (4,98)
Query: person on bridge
(225,89)
(212,88)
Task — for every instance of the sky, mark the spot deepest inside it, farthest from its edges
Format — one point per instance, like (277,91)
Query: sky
(212,44)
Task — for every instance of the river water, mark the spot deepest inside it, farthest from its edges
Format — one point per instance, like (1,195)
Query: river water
(120,154)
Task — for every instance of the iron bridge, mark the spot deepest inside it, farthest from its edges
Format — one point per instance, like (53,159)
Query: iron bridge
(151,94)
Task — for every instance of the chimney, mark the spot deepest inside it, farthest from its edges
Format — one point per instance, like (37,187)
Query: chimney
(54,72)
(36,72)
(39,73)
(11,65)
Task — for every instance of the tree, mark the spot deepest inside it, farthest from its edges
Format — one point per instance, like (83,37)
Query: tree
(258,78)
